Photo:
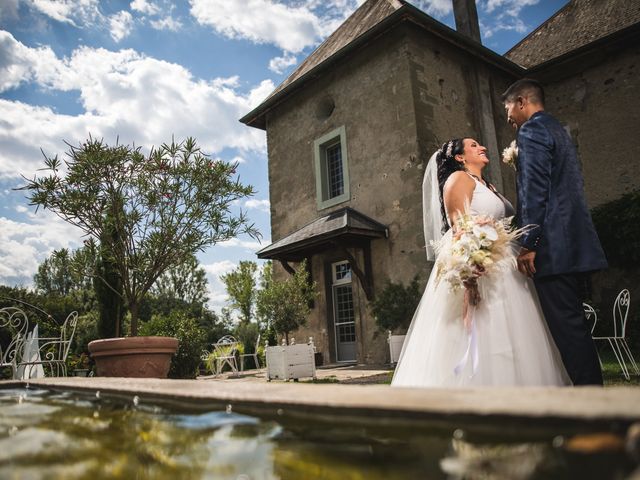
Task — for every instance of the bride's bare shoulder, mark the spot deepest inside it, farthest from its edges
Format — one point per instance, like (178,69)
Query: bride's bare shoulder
(459,180)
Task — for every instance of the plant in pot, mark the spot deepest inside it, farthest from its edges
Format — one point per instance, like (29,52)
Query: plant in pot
(284,305)
(393,309)
(148,213)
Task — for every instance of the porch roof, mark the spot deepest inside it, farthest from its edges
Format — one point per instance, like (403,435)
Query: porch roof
(344,227)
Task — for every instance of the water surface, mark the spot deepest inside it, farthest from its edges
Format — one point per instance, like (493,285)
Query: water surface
(45,435)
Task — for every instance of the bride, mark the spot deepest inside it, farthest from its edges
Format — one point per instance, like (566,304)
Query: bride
(511,343)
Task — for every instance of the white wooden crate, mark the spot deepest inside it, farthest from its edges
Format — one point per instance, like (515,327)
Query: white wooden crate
(291,361)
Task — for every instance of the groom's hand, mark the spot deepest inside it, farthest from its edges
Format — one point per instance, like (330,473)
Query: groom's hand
(526,262)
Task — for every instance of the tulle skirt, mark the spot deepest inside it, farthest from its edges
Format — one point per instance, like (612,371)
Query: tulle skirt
(513,347)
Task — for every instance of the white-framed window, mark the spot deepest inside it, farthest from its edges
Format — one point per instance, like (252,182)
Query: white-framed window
(332,168)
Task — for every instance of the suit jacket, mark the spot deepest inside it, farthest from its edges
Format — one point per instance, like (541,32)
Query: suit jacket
(551,198)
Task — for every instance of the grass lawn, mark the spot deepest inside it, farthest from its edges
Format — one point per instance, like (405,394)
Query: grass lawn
(611,372)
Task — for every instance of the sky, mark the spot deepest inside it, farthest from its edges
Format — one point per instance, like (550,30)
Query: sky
(144,71)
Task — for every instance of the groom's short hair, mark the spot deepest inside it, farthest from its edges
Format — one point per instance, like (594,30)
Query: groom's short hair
(526,87)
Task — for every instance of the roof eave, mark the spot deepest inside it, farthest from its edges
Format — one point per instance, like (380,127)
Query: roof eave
(317,241)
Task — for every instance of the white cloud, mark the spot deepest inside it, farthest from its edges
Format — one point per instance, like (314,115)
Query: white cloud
(262,91)
(504,15)
(261,21)
(280,64)
(509,7)
(217,269)
(120,25)
(251,245)
(217,291)
(19,63)
(437,8)
(514,24)
(124,94)
(262,205)
(238,160)
(167,23)
(23,246)
(8,9)
(143,6)
(74,12)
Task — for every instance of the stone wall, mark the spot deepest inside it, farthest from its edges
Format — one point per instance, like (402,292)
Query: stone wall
(598,107)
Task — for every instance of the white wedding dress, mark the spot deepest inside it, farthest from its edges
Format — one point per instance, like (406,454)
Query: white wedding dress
(513,346)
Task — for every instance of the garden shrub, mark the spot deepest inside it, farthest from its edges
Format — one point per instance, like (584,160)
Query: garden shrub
(186,361)
(393,307)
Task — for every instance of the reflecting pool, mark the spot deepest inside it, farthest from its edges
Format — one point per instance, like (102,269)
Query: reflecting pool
(47,434)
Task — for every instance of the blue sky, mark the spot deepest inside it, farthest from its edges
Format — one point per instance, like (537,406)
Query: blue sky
(144,70)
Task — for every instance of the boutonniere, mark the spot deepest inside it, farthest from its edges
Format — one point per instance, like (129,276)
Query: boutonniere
(510,155)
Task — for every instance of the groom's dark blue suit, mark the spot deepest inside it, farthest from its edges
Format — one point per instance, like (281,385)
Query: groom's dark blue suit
(551,198)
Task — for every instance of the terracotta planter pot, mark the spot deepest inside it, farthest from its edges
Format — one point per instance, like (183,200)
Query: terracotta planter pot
(147,357)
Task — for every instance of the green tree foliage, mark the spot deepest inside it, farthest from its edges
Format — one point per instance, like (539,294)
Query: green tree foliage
(63,272)
(393,308)
(247,333)
(241,288)
(215,326)
(165,206)
(618,226)
(86,331)
(186,282)
(285,304)
(191,340)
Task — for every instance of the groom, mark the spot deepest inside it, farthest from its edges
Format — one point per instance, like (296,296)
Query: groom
(562,245)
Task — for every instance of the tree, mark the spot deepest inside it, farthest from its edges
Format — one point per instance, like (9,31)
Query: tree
(241,288)
(186,282)
(107,284)
(165,206)
(58,274)
(285,304)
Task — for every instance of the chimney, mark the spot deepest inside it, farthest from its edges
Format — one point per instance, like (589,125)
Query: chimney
(466,15)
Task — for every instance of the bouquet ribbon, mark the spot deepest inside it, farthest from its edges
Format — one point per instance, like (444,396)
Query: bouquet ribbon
(471,299)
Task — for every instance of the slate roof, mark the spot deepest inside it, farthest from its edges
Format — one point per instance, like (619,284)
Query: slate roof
(314,236)
(575,25)
(372,18)
(364,18)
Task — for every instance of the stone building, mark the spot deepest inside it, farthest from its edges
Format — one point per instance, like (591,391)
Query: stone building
(350,131)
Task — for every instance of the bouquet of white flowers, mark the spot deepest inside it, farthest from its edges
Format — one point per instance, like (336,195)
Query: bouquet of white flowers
(480,246)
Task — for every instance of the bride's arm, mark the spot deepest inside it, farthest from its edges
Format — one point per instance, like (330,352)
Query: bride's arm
(457,193)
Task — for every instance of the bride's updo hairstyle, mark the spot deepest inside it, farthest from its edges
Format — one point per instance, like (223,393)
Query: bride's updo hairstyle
(447,164)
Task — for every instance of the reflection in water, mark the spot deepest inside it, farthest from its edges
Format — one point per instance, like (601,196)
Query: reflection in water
(53,435)
(493,462)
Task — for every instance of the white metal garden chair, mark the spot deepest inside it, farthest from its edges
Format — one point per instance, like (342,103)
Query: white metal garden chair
(618,341)
(224,352)
(253,355)
(15,323)
(53,351)
(592,316)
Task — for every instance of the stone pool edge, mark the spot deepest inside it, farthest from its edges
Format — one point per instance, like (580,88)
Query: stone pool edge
(612,408)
